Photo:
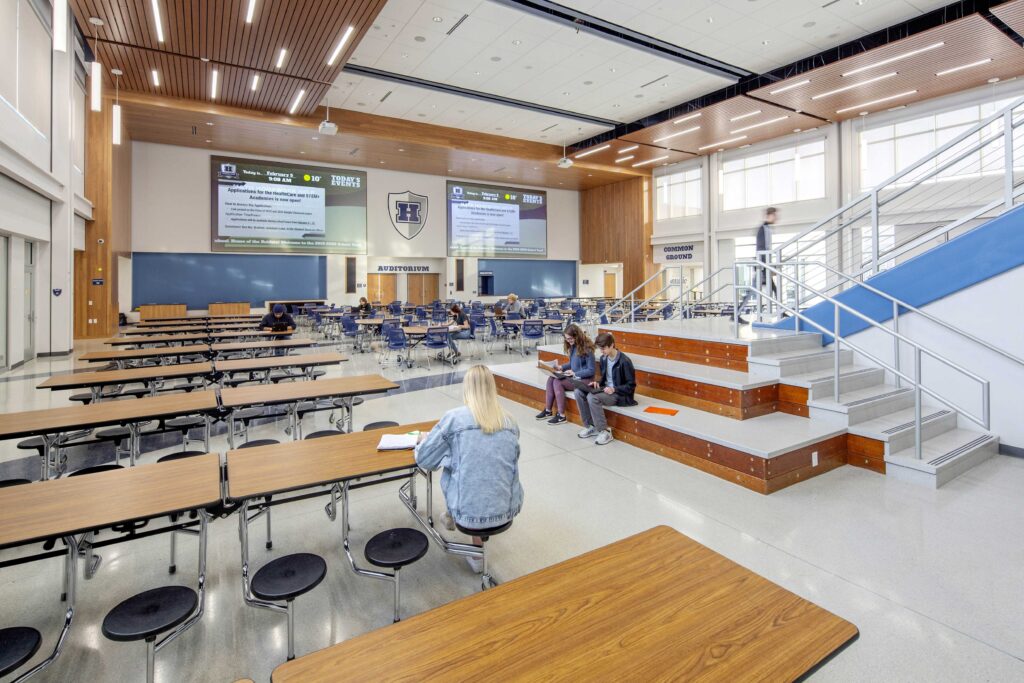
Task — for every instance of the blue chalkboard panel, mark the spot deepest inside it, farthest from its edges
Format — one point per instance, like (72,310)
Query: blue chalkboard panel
(528,278)
(198,279)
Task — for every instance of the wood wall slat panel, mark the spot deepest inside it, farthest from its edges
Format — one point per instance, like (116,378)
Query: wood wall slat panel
(615,227)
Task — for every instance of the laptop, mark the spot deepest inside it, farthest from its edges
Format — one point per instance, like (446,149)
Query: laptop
(279,327)
(584,385)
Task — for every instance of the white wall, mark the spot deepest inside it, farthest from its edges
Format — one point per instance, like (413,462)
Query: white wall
(987,311)
(171,213)
(594,274)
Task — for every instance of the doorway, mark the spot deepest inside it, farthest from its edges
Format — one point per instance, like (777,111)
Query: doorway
(30,300)
(382,287)
(422,288)
(609,285)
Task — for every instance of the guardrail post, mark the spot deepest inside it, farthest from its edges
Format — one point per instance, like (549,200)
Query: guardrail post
(735,300)
(874,232)
(917,401)
(796,294)
(1008,158)
(835,342)
(896,342)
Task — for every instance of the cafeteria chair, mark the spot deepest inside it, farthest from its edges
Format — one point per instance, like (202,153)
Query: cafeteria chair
(486,580)
(436,340)
(533,330)
(281,580)
(497,334)
(398,344)
(350,330)
(393,549)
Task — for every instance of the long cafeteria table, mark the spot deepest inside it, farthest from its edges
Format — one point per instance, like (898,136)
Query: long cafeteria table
(209,350)
(184,338)
(171,329)
(653,606)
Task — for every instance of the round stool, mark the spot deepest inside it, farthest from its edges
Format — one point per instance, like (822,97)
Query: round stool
(181,455)
(322,433)
(394,549)
(184,425)
(285,579)
(4,483)
(117,435)
(17,645)
(147,615)
(259,442)
(244,416)
(486,580)
(380,425)
(95,469)
(34,444)
(83,398)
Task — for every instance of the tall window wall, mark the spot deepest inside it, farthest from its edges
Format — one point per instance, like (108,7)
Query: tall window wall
(678,195)
(780,176)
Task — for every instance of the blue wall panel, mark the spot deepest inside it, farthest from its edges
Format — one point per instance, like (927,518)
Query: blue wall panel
(528,278)
(199,279)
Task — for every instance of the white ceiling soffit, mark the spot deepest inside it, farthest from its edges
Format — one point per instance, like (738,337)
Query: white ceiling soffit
(758,35)
(411,103)
(513,54)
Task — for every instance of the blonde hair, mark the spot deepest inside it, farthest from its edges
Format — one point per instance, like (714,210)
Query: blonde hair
(480,395)
(512,297)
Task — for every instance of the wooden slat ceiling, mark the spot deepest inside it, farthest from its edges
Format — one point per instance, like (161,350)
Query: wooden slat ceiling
(965,41)
(632,154)
(731,123)
(1011,14)
(364,140)
(215,30)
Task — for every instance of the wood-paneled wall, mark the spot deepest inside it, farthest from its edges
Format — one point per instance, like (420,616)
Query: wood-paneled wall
(616,226)
(108,171)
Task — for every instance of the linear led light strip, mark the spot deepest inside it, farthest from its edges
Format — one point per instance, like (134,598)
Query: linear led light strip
(675,135)
(156,78)
(650,161)
(856,85)
(789,87)
(723,142)
(619,161)
(746,116)
(341,44)
(591,151)
(963,66)
(758,125)
(628,149)
(297,101)
(686,118)
(249,11)
(255,81)
(895,59)
(280,58)
(159,22)
(865,105)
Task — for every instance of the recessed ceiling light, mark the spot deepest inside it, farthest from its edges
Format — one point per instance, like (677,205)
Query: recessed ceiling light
(746,116)
(878,101)
(420,39)
(628,149)
(249,11)
(401,149)
(722,142)
(214,83)
(675,135)
(650,161)
(156,78)
(797,130)
(209,140)
(592,151)
(711,20)
(209,123)
(158,21)
(895,59)
(116,72)
(620,160)
(565,92)
(204,60)
(758,125)
(476,73)
(316,137)
(255,81)
(993,80)
(382,161)
(686,118)
(963,66)
(789,87)
(810,24)
(341,43)
(517,43)
(765,42)
(280,58)
(612,70)
(855,85)
(439,20)
(301,152)
(297,101)
(95,21)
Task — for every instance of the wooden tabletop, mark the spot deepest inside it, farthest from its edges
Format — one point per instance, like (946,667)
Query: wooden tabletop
(201,318)
(59,507)
(133,354)
(129,376)
(270,362)
(287,392)
(655,606)
(54,420)
(272,344)
(171,329)
(181,338)
(301,464)
(546,321)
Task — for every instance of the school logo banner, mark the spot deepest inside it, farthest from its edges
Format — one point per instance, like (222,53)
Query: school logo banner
(408,212)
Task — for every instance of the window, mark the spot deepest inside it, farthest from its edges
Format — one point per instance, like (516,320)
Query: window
(678,195)
(350,275)
(460,274)
(887,149)
(792,174)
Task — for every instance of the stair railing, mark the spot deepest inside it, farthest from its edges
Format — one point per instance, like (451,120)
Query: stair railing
(839,341)
(628,305)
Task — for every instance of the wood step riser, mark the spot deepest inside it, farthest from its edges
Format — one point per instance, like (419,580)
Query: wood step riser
(715,354)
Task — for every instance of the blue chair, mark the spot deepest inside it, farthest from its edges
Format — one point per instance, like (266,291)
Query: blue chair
(533,330)
(350,330)
(395,308)
(553,330)
(439,316)
(436,340)
(513,316)
(495,334)
(421,313)
(398,343)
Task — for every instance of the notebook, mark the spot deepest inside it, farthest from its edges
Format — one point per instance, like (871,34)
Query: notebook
(557,374)
(398,442)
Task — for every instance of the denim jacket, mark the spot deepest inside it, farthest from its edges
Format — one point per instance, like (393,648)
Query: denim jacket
(582,366)
(480,479)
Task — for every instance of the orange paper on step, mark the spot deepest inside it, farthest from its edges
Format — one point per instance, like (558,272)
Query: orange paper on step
(661,411)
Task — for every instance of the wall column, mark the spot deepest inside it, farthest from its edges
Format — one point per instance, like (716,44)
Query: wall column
(616,226)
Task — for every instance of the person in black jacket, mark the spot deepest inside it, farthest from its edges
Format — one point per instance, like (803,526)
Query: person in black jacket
(617,385)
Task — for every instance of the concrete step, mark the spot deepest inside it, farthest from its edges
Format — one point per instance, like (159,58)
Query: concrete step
(896,429)
(943,458)
(799,362)
(861,405)
(820,383)
(785,341)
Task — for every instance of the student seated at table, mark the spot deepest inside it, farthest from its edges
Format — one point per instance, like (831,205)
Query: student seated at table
(477,446)
(580,349)
(514,305)
(461,321)
(278,317)
(617,385)
(364,307)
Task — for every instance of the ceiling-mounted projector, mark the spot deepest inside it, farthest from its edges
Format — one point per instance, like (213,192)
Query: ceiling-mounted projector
(565,162)
(328,128)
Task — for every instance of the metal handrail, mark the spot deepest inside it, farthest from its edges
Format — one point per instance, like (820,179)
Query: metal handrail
(912,167)
(629,295)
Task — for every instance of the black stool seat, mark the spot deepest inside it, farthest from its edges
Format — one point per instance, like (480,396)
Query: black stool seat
(396,547)
(150,613)
(33,444)
(317,373)
(288,577)
(356,401)
(95,469)
(180,456)
(246,414)
(85,398)
(4,483)
(259,442)
(17,645)
(113,433)
(380,425)
(185,422)
(484,534)
(322,433)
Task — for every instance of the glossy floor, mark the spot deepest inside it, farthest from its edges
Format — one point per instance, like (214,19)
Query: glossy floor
(932,579)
